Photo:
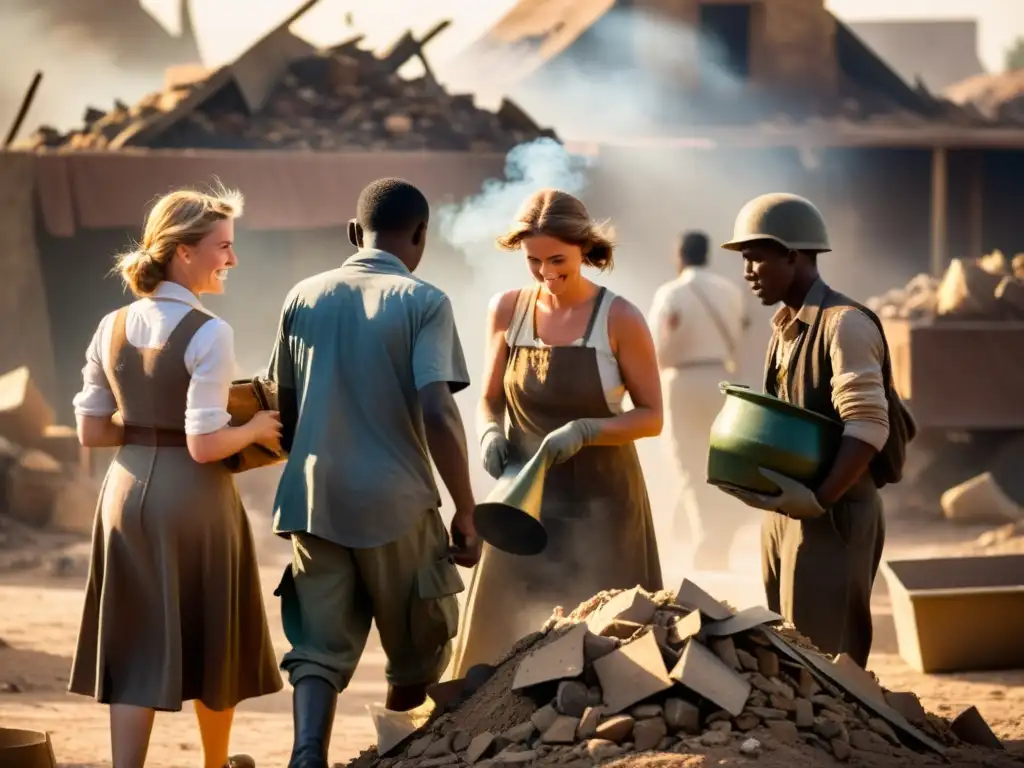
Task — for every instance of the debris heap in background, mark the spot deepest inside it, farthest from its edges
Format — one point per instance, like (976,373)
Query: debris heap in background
(43,484)
(342,98)
(629,672)
(988,288)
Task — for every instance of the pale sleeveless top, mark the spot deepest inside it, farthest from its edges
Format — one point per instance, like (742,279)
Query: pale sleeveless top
(607,365)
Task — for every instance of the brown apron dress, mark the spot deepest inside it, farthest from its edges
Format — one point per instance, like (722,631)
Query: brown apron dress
(173,607)
(595,507)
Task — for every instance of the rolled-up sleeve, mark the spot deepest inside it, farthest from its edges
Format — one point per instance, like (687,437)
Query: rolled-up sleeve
(96,397)
(210,359)
(858,392)
(437,351)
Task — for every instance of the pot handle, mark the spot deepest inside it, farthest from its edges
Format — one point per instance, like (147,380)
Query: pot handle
(723,385)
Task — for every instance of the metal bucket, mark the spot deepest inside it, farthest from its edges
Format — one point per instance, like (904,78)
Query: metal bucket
(25,749)
(756,430)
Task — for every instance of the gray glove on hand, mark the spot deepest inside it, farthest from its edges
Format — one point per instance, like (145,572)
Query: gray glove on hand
(796,500)
(494,450)
(566,441)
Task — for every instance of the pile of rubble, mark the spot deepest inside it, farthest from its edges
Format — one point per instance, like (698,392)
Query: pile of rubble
(987,288)
(669,675)
(344,98)
(45,488)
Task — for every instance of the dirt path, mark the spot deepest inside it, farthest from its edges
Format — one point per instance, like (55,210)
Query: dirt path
(39,620)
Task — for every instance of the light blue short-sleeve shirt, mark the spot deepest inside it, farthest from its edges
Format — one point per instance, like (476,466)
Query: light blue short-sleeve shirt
(356,344)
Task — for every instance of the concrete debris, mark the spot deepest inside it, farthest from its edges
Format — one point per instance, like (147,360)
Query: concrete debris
(343,98)
(747,691)
(987,288)
(43,482)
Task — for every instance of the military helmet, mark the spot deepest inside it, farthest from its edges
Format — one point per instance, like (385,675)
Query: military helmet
(790,220)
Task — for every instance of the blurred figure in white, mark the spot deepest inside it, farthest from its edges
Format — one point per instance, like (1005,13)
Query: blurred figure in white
(697,321)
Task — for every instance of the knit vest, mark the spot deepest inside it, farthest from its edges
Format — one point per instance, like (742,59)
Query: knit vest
(809,383)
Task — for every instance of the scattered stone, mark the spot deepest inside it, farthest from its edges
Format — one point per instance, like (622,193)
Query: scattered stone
(681,715)
(826,728)
(884,730)
(783,731)
(767,662)
(562,731)
(869,741)
(722,725)
(804,716)
(442,746)
(840,749)
(602,749)
(572,698)
(747,722)
(544,718)
(778,701)
(648,733)
(615,729)
(768,713)
(461,741)
(588,723)
(520,733)
(747,660)
(714,739)
(598,646)
(479,747)
(419,746)
(526,756)
(725,649)
(751,747)
(644,711)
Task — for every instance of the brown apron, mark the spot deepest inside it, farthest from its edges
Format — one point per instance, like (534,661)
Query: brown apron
(173,607)
(595,507)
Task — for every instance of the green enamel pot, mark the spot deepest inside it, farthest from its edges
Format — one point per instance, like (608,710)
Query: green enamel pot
(757,430)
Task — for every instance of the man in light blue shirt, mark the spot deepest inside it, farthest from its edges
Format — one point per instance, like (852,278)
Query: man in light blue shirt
(367,361)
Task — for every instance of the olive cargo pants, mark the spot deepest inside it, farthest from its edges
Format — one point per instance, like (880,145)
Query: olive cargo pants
(330,594)
(819,573)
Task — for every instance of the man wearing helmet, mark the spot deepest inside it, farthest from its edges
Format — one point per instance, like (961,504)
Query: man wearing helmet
(821,546)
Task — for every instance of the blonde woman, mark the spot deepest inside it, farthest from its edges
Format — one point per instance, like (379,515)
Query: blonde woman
(173,608)
(561,357)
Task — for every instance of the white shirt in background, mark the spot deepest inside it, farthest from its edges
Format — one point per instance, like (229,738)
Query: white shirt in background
(209,358)
(684,331)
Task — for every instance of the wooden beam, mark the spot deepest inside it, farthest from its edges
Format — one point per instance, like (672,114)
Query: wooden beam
(976,205)
(940,200)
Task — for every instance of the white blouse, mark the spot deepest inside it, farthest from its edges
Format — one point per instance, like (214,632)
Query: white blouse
(209,358)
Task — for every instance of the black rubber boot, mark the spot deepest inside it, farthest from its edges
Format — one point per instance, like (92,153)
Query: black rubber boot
(313,703)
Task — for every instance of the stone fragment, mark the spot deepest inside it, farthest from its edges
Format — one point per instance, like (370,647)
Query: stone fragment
(722,725)
(543,718)
(750,747)
(778,701)
(783,731)
(461,741)
(806,685)
(572,698)
(826,728)
(615,729)
(419,746)
(643,711)
(804,713)
(588,723)
(747,660)
(441,760)
(767,662)
(602,749)
(869,741)
(841,750)
(508,757)
(725,649)
(648,733)
(520,733)
(442,746)
(883,729)
(597,646)
(714,739)
(632,673)
(479,747)
(681,715)
(768,713)
(747,722)
(562,731)
(718,717)
(666,743)
(908,705)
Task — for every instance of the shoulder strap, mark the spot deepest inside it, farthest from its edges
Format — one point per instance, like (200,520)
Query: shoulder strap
(716,318)
(594,315)
(184,331)
(523,310)
(118,339)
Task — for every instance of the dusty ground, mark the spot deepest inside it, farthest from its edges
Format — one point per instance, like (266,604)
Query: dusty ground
(39,614)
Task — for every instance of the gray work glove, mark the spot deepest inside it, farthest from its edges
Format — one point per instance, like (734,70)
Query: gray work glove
(796,500)
(566,441)
(494,450)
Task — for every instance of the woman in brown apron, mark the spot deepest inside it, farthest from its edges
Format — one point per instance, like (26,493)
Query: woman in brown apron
(173,608)
(561,356)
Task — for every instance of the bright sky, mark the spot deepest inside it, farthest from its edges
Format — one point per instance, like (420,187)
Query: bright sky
(224,30)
